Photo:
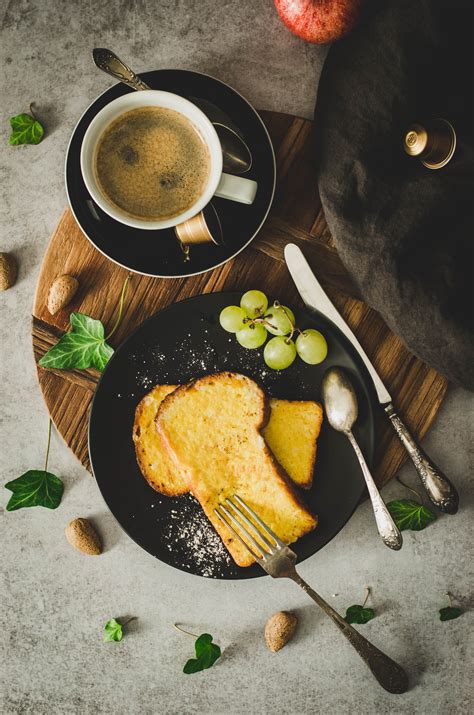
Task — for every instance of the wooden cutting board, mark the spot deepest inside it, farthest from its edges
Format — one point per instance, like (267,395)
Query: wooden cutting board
(296,216)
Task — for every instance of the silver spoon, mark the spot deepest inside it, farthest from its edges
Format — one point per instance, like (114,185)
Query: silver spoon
(236,154)
(341,407)
(108,62)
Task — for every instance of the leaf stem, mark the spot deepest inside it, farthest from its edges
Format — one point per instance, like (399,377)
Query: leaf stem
(175,625)
(410,489)
(120,307)
(48,445)
(32,112)
(450,599)
(367,594)
(125,623)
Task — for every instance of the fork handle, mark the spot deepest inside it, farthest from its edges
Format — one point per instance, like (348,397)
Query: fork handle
(389,674)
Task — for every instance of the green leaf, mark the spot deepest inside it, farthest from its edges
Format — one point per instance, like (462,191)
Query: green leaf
(26,130)
(449,613)
(410,514)
(83,346)
(35,488)
(207,653)
(359,614)
(113,631)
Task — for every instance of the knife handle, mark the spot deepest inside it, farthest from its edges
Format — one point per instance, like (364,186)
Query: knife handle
(438,487)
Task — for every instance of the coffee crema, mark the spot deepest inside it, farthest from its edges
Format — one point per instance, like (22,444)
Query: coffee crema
(152,163)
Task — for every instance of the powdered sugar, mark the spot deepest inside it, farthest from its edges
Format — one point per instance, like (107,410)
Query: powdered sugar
(187,360)
(191,538)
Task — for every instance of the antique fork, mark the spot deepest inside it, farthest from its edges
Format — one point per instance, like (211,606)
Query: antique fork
(279,561)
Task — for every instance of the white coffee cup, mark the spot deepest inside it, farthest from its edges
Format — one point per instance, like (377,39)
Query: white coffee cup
(227,186)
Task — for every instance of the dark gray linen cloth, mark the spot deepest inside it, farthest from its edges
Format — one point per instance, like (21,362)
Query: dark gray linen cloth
(404,232)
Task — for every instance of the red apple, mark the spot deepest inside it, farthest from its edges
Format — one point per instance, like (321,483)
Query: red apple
(319,21)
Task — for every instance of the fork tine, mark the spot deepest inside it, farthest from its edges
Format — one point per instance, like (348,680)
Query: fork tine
(261,523)
(226,520)
(246,520)
(244,531)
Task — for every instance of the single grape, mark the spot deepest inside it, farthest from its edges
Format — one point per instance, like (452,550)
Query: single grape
(279,353)
(252,336)
(254,302)
(232,318)
(311,346)
(281,317)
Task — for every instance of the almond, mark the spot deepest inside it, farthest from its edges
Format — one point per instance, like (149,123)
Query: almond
(8,271)
(81,534)
(279,629)
(61,292)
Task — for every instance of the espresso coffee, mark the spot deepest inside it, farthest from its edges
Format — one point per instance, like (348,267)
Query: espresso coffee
(152,163)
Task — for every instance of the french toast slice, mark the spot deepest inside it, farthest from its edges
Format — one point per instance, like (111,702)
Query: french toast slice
(291,433)
(155,464)
(212,431)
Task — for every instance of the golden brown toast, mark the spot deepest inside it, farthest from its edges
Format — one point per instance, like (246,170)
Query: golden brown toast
(155,464)
(212,431)
(291,433)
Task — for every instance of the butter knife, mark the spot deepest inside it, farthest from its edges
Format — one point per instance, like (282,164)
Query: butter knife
(438,487)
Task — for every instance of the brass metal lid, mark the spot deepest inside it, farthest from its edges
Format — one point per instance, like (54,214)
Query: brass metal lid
(416,140)
(433,143)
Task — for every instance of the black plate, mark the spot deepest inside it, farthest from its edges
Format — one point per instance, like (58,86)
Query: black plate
(176,345)
(158,253)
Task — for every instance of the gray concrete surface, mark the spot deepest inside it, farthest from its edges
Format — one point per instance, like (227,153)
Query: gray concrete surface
(55,601)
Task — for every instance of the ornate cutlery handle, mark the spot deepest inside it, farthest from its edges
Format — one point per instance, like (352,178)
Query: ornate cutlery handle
(389,674)
(387,528)
(438,487)
(108,62)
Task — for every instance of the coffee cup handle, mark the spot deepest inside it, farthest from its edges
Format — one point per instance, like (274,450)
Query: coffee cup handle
(237,188)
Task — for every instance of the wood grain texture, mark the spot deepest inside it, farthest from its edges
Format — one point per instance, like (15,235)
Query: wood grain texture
(296,217)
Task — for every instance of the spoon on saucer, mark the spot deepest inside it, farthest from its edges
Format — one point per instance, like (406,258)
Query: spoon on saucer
(237,158)
(236,155)
(237,151)
(340,403)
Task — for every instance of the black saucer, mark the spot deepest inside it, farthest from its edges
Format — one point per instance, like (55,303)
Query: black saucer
(158,253)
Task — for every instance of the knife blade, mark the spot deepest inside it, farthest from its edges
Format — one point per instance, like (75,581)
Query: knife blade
(438,487)
(314,297)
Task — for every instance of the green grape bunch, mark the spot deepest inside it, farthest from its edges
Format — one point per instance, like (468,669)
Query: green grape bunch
(254,319)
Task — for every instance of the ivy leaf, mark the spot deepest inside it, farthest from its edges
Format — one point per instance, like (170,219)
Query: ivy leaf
(35,488)
(359,614)
(83,346)
(449,613)
(26,130)
(207,653)
(113,631)
(410,514)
